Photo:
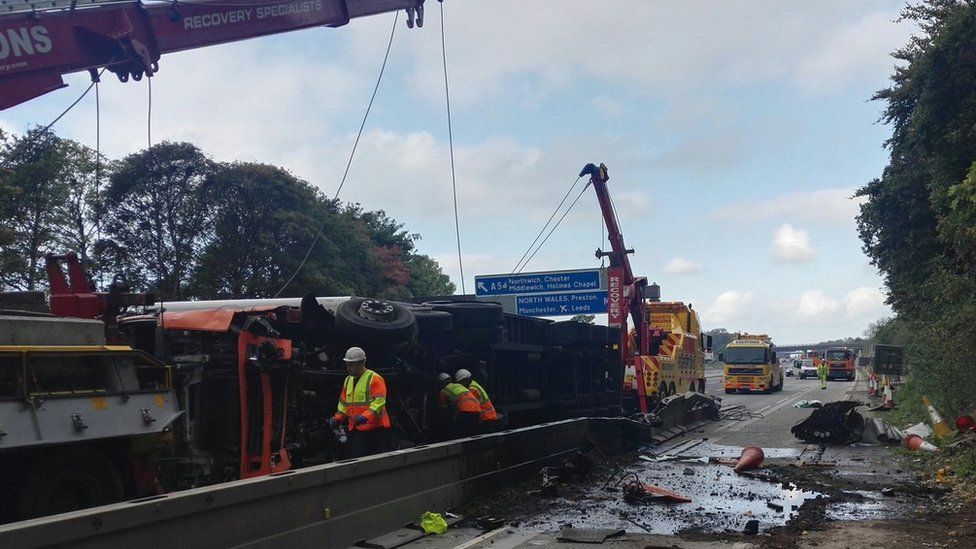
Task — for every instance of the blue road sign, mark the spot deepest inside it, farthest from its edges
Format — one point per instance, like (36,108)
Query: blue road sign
(562,304)
(538,283)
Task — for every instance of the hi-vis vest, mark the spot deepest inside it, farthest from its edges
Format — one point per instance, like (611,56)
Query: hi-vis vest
(366,397)
(487,408)
(460,398)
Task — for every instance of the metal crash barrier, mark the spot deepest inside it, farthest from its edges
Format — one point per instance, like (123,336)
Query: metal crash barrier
(331,505)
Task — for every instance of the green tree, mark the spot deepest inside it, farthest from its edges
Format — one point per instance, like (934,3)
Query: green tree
(917,224)
(156,217)
(36,168)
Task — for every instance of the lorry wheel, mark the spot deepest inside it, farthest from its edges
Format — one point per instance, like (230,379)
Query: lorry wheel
(429,320)
(69,481)
(375,320)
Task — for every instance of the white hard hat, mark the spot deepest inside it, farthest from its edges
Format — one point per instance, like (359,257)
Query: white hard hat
(462,374)
(442,377)
(355,354)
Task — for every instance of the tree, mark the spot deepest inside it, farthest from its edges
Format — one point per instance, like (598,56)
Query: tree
(36,168)
(917,221)
(156,217)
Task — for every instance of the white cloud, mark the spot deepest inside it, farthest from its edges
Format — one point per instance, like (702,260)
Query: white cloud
(821,205)
(850,50)
(814,304)
(680,265)
(729,306)
(609,107)
(791,245)
(864,302)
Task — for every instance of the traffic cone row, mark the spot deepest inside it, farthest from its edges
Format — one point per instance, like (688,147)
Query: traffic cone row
(872,385)
(939,425)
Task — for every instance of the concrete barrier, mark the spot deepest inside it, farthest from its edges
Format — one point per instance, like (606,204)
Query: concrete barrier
(331,505)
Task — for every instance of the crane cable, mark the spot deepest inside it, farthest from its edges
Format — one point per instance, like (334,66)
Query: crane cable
(16,152)
(352,154)
(554,227)
(546,226)
(450,138)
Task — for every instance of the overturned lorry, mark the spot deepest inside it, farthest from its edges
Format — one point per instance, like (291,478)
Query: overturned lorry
(243,389)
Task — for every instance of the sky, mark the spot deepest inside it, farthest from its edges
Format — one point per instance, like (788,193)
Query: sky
(735,133)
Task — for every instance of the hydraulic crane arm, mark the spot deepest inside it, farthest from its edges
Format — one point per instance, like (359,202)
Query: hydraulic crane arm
(38,47)
(619,255)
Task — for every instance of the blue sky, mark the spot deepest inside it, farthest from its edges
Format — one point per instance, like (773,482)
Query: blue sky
(735,133)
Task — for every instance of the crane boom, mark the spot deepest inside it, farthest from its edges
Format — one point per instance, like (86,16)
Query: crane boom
(38,47)
(632,294)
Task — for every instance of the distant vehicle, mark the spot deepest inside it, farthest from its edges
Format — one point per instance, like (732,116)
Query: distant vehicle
(751,364)
(840,363)
(808,368)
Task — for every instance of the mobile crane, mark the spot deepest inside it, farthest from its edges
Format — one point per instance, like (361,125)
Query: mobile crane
(664,353)
(42,40)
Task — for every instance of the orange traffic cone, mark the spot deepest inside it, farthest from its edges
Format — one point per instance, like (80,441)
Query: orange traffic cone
(915,442)
(939,425)
(872,389)
(889,398)
(751,458)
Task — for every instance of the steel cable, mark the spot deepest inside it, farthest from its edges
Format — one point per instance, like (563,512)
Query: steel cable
(556,226)
(546,226)
(450,139)
(352,154)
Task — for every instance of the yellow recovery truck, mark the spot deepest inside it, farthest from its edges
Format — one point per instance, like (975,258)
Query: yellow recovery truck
(751,364)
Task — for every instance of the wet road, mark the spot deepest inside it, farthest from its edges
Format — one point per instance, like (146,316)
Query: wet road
(722,501)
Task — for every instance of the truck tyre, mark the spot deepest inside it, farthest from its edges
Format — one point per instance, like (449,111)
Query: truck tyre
(375,320)
(71,480)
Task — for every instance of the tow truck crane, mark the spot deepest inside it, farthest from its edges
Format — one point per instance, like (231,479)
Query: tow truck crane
(664,353)
(42,40)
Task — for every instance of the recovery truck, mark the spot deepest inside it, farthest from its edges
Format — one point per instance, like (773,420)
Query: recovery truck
(664,352)
(840,363)
(751,364)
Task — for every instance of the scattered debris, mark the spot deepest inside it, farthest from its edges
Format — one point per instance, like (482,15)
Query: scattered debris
(636,492)
(808,404)
(433,523)
(774,506)
(752,528)
(737,413)
(689,471)
(920,429)
(834,423)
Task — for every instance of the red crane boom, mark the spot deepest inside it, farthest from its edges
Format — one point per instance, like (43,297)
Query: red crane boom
(38,47)
(632,288)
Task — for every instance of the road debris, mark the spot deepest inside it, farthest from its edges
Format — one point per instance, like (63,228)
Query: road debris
(808,404)
(752,528)
(835,423)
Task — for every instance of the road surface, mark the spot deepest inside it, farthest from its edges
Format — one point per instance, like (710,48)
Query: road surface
(721,501)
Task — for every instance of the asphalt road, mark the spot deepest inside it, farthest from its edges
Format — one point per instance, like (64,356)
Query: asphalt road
(776,409)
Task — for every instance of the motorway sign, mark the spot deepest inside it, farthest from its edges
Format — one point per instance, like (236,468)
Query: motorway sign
(539,283)
(562,304)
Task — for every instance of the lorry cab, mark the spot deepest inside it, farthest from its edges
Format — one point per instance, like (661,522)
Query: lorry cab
(751,364)
(840,363)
